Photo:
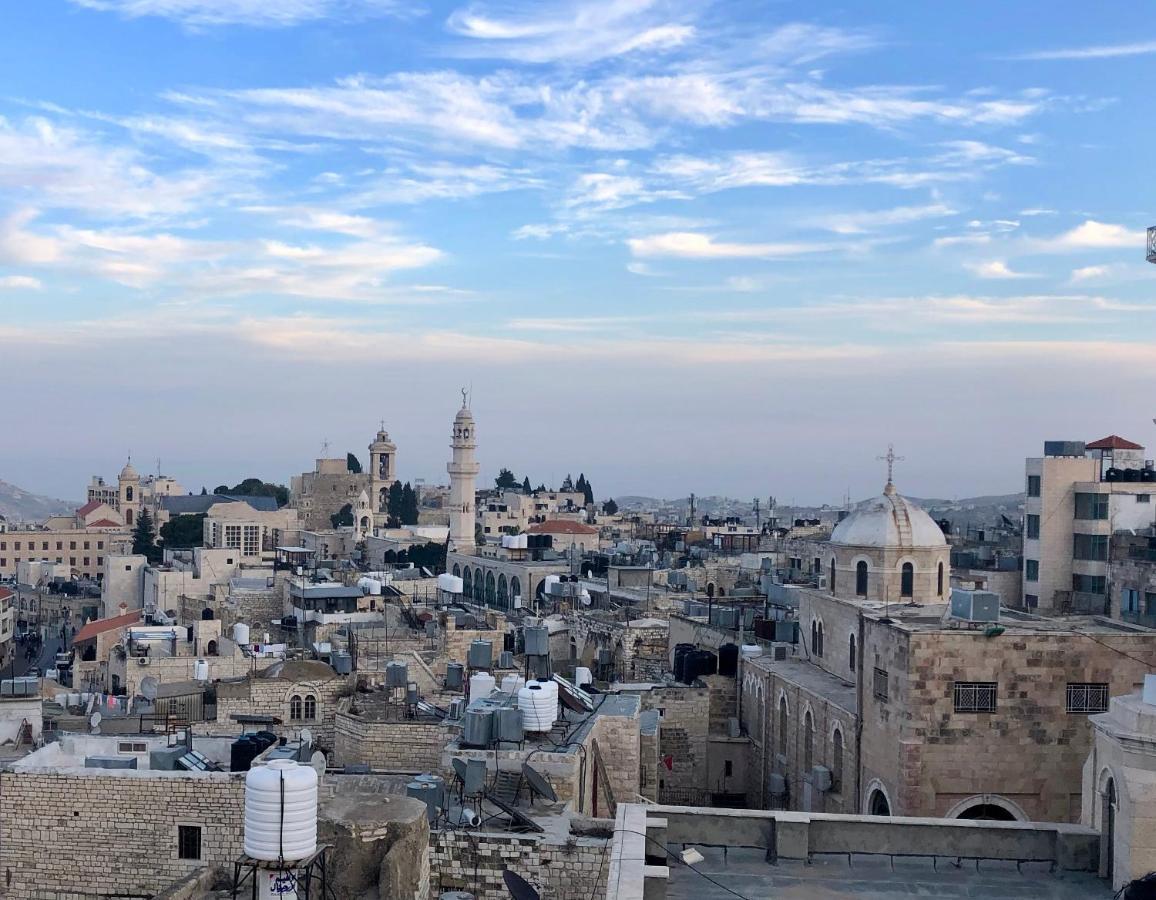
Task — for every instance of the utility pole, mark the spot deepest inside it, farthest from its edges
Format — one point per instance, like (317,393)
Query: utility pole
(758,516)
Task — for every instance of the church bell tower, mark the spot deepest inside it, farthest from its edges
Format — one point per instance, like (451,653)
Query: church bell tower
(463,471)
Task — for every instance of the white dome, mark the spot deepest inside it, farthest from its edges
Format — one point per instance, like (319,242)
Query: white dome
(889,520)
(128,473)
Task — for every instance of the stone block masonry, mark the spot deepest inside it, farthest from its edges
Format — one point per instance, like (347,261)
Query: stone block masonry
(474,861)
(76,835)
(390,746)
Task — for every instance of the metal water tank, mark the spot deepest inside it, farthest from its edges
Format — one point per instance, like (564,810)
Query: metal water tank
(396,675)
(537,639)
(481,654)
(412,695)
(506,659)
(281,811)
(455,676)
(508,724)
(477,728)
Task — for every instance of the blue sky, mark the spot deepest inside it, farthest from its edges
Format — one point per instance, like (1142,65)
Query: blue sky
(731,247)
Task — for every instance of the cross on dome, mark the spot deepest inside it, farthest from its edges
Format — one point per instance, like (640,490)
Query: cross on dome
(891,459)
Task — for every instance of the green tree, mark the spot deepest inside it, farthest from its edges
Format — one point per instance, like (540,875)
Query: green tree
(506,480)
(184,531)
(409,510)
(204,493)
(526,489)
(343,517)
(479,535)
(393,505)
(584,486)
(568,483)
(255,487)
(540,489)
(353,464)
(144,537)
(609,508)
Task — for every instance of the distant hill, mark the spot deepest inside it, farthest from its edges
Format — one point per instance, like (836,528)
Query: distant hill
(18,505)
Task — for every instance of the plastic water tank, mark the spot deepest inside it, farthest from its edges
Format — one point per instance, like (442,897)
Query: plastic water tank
(537,640)
(583,676)
(201,670)
(538,701)
(241,634)
(511,684)
(481,654)
(728,660)
(455,676)
(481,684)
(396,675)
(451,584)
(281,811)
(750,650)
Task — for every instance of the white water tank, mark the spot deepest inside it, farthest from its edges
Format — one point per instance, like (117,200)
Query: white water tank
(369,586)
(201,670)
(583,676)
(512,683)
(451,584)
(750,650)
(241,634)
(538,701)
(481,684)
(551,581)
(281,811)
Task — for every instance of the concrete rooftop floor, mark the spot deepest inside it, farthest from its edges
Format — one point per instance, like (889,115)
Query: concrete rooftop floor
(746,873)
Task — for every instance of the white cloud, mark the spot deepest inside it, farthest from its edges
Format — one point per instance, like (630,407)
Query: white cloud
(962,239)
(264,13)
(691,245)
(20,283)
(20,246)
(576,32)
(1091,234)
(859,222)
(1089,273)
(995,268)
(1102,51)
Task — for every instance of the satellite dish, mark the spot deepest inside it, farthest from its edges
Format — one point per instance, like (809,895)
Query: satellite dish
(538,783)
(306,736)
(518,887)
(148,687)
(317,762)
(94,722)
(460,768)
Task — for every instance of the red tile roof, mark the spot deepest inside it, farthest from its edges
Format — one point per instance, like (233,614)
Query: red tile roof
(100,626)
(1113,442)
(104,523)
(87,508)
(5,593)
(561,526)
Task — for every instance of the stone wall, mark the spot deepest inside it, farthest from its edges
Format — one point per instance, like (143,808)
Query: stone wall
(75,835)
(474,861)
(684,717)
(271,697)
(389,746)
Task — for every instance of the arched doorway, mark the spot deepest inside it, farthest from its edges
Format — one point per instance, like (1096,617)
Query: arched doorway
(503,592)
(467,581)
(515,588)
(491,589)
(206,615)
(1108,829)
(878,805)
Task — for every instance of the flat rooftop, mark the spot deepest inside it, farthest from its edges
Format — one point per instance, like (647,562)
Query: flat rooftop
(746,872)
(810,677)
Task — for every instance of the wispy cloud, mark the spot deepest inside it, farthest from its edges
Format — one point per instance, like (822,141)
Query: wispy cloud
(995,269)
(20,283)
(860,222)
(691,245)
(1100,51)
(262,13)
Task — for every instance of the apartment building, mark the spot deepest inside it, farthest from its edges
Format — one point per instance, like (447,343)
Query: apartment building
(1079,498)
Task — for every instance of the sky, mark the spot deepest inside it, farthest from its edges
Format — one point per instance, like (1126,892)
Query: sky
(730,248)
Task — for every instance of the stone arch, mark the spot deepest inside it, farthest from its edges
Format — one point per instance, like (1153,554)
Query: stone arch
(503,592)
(207,615)
(515,588)
(211,649)
(467,581)
(907,579)
(491,589)
(990,807)
(457,571)
(365,523)
(128,517)
(479,587)
(808,740)
(838,745)
(862,578)
(876,799)
(939,580)
(851,651)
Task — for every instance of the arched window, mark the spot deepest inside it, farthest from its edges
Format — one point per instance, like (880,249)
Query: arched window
(88,654)
(831,580)
(310,707)
(814,638)
(479,587)
(877,805)
(467,582)
(837,762)
(128,494)
(515,587)
(820,639)
(783,726)
(206,615)
(939,581)
(861,578)
(503,592)
(851,653)
(808,742)
(457,571)
(295,707)
(907,580)
(491,589)
(211,650)
(128,517)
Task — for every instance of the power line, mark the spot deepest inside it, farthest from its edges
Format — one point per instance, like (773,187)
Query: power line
(673,856)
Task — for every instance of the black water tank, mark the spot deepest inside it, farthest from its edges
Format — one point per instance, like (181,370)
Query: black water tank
(242,752)
(680,654)
(698,664)
(728,660)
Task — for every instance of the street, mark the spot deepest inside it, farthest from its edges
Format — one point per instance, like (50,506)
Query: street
(45,660)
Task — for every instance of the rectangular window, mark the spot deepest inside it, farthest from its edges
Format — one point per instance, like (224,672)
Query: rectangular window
(1033,527)
(233,536)
(72,560)
(1031,601)
(1090,546)
(100,545)
(880,685)
(86,547)
(728,768)
(71,545)
(974,696)
(86,561)
(60,545)
(189,841)
(100,560)
(1150,602)
(131,747)
(1087,697)
(1033,485)
(3,562)
(1091,506)
(1130,600)
(1088,584)
(252,544)
(1032,569)
(1143,498)
(44,545)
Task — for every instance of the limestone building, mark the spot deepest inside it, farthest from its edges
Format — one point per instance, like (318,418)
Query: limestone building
(463,471)
(1078,497)
(322,493)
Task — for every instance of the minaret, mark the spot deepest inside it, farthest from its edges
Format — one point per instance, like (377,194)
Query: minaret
(463,471)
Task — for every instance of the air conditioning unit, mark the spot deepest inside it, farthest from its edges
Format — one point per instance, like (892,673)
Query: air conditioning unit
(821,779)
(143,661)
(974,606)
(821,582)
(780,653)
